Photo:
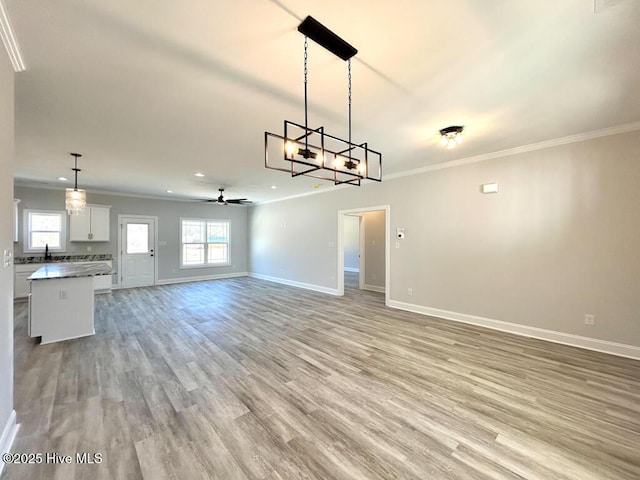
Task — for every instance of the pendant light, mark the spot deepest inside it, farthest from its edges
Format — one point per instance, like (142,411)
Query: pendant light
(309,151)
(75,200)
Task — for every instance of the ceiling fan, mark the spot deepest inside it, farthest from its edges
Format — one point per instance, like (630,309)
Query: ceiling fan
(231,201)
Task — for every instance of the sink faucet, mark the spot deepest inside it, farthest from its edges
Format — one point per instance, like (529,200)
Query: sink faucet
(47,254)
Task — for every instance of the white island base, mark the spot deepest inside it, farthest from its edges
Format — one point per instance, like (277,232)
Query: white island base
(61,309)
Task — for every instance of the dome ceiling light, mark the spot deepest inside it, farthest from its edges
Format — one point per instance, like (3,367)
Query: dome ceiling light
(451,136)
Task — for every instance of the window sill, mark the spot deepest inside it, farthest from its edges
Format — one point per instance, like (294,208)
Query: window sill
(208,265)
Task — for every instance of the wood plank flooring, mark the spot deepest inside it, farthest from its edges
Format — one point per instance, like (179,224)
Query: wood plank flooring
(246,379)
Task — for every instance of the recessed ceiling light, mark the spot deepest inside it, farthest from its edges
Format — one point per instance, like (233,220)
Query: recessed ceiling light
(63,179)
(316,186)
(273,187)
(169,191)
(198,174)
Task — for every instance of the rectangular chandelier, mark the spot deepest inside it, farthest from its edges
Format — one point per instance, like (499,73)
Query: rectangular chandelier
(302,150)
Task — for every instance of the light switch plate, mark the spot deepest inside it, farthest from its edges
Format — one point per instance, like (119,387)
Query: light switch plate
(8,258)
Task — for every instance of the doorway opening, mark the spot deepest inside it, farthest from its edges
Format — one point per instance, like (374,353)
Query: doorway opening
(364,250)
(137,247)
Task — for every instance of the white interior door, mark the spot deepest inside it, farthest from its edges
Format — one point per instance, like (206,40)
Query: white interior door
(137,251)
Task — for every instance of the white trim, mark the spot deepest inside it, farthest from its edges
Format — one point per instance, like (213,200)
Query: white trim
(615,130)
(9,433)
(627,127)
(48,342)
(205,243)
(352,269)
(26,230)
(619,349)
(11,44)
(362,250)
(292,283)
(387,248)
(122,216)
(374,288)
(170,281)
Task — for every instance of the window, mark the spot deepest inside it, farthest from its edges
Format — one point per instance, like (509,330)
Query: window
(45,227)
(137,238)
(204,242)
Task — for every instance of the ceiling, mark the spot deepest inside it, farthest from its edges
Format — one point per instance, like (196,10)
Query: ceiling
(151,91)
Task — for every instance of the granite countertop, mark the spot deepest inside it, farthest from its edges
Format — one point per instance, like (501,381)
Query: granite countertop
(72,270)
(63,259)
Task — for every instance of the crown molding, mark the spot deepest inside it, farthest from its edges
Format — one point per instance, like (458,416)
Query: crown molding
(10,41)
(580,137)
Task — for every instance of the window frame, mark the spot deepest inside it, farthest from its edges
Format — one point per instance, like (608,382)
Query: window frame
(27,247)
(205,244)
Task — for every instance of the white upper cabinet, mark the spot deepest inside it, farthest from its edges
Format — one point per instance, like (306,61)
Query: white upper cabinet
(92,225)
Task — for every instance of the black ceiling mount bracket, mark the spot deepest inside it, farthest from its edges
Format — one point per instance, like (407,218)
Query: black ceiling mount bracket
(451,129)
(324,37)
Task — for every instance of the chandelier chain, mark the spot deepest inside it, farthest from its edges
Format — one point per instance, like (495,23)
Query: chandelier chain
(306,71)
(349,87)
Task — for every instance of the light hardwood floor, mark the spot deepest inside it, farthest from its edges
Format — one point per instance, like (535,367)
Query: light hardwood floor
(246,379)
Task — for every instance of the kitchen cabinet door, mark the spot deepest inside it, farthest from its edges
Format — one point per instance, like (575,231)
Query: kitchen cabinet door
(92,225)
(100,224)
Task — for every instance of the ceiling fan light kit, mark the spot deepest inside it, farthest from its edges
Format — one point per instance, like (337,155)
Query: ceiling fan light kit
(312,152)
(231,201)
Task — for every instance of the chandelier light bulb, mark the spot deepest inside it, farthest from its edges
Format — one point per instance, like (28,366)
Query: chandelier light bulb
(338,161)
(459,138)
(290,148)
(443,140)
(362,167)
(452,143)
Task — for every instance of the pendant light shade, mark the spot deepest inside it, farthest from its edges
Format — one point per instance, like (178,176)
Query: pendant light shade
(75,200)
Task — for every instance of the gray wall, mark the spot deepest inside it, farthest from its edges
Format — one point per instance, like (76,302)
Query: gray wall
(559,241)
(168,213)
(6,238)
(352,242)
(374,240)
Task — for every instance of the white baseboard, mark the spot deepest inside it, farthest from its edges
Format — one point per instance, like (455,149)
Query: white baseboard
(619,349)
(374,288)
(169,281)
(352,269)
(8,436)
(292,283)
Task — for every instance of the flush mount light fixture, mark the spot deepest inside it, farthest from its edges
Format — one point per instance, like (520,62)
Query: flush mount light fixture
(63,179)
(75,200)
(198,174)
(169,191)
(451,136)
(302,150)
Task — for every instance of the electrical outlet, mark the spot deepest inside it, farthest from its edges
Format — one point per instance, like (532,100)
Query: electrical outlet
(410,291)
(88,249)
(63,294)
(589,320)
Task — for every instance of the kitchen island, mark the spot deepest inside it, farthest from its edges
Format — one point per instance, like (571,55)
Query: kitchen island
(61,305)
